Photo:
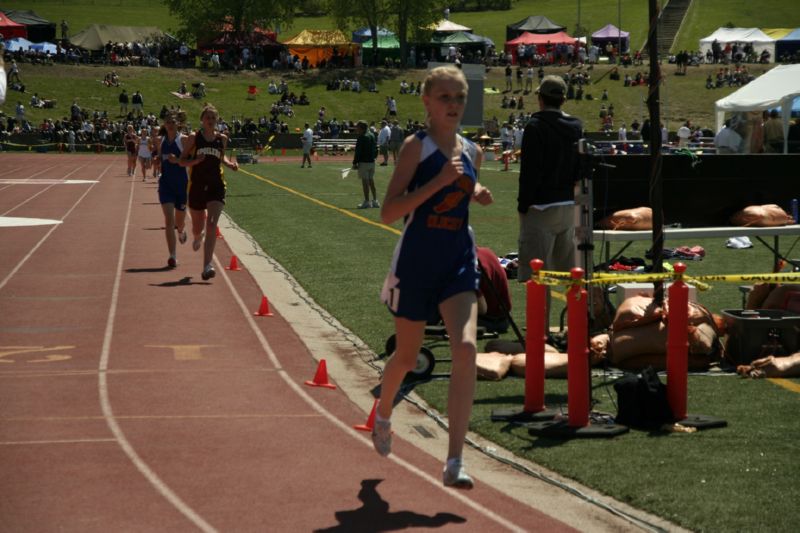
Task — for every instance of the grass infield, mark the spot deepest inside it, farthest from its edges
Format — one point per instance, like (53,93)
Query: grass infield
(740,478)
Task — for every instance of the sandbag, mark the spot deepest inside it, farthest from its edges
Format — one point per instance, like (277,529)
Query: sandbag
(555,365)
(647,339)
(518,365)
(779,297)
(757,295)
(638,218)
(510,347)
(599,347)
(762,216)
(493,365)
(636,311)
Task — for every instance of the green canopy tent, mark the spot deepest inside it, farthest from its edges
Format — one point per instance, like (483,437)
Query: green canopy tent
(388,47)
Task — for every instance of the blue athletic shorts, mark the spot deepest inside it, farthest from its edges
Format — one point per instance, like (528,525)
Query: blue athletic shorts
(422,304)
(173,191)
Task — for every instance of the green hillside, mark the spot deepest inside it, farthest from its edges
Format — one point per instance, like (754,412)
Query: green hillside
(703,17)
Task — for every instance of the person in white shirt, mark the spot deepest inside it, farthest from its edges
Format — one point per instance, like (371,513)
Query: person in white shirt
(308,142)
(384,135)
(684,132)
(3,81)
(728,140)
(529,80)
(518,133)
(506,137)
(623,133)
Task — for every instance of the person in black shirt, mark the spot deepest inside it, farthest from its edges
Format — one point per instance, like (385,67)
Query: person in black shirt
(548,174)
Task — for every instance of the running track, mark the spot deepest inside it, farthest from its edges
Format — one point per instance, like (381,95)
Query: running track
(134,398)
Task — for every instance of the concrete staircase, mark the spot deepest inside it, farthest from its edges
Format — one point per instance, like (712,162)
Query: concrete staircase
(669,24)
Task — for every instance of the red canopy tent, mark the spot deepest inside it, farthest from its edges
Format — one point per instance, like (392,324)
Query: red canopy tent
(10,29)
(540,40)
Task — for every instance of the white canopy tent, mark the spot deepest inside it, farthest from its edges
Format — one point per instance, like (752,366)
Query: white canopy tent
(760,40)
(777,87)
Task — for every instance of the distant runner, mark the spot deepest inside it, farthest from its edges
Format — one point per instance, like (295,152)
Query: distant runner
(206,183)
(172,186)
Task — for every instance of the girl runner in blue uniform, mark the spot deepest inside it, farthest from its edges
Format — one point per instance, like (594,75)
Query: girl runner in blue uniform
(434,265)
(206,183)
(172,185)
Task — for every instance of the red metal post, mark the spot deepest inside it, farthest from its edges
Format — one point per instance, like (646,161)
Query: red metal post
(678,344)
(536,307)
(577,353)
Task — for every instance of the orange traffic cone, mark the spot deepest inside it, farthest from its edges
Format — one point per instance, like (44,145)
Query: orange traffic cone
(370,419)
(219,234)
(234,264)
(263,309)
(321,377)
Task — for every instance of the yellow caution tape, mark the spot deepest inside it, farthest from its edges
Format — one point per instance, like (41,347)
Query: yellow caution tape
(778,277)
(552,278)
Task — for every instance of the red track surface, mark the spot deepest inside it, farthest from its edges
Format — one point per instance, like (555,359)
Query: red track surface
(134,398)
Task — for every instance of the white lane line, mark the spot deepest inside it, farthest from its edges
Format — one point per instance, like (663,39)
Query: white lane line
(44,182)
(46,235)
(488,513)
(42,191)
(20,168)
(18,222)
(105,403)
(61,441)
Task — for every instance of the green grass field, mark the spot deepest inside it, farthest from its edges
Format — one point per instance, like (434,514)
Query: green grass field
(705,16)
(741,478)
(682,97)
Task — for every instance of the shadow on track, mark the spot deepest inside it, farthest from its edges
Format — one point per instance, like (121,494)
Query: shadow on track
(164,268)
(183,282)
(374,515)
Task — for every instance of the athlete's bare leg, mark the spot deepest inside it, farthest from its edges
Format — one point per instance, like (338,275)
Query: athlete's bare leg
(169,227)
(198,223)
(214,210)
(460,314)
(409,335)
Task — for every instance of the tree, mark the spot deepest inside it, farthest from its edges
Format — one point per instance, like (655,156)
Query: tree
(370,13)
(205,18)
(407,18)
(415,17)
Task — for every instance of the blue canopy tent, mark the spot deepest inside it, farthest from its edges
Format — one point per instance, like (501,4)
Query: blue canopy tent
(18,43)
(45,47)
(365,34)
(788,45)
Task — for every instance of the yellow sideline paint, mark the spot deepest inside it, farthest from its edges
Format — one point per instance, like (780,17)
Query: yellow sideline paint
(786,384)
(321,203)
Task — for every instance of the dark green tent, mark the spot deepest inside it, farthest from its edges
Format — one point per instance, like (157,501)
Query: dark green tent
(39,29)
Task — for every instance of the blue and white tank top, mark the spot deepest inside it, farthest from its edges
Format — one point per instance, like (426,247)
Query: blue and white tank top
(172,170)
(437,241)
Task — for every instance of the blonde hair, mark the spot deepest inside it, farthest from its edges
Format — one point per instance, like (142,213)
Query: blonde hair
(208,108)
(441,74)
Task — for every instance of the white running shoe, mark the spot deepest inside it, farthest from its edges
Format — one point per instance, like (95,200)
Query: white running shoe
(182,236)
(456,477)
(208,272)
(382,437)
